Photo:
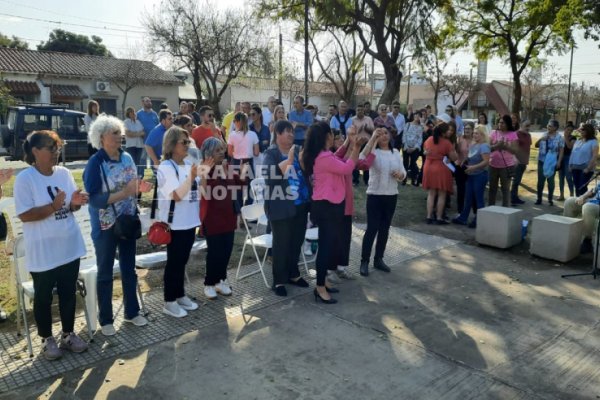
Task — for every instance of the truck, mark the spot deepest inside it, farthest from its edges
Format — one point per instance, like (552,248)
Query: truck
(23,119)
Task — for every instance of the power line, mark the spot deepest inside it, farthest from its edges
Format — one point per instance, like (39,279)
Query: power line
(68,23)
(67,15)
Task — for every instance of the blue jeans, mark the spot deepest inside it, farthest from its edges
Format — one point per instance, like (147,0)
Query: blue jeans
(563,173)
(136,154)
(106,246)
(475,188)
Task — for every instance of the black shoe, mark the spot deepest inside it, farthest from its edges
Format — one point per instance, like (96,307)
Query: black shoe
(458,221)
(280,291)
(550,203)
(429,221)
(403,183)
(364,268)
(380,265)
(538,202)
(318,297)
(299,282)
(518,201)
(473,224)
(586,246)
(440,222)
(332,290)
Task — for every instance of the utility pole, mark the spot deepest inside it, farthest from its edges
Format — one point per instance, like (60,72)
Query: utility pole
(306,55)
(280,92)
(372,78)
(408,86)
(569,88)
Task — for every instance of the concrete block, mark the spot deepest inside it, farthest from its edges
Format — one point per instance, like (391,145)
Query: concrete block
(556,237)
(499,226)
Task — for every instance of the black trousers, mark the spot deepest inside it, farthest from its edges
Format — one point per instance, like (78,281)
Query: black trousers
(461,184)
(344,241)
(178,254)
(218,253)
(410,165)
(356,176)
(64,279)
(329,218)
(288,237)
(380,210)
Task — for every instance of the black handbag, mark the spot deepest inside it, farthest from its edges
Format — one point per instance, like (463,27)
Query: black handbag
(3,227)
(126,227)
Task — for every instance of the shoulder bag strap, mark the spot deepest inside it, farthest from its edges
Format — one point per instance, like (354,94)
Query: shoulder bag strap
(107,188)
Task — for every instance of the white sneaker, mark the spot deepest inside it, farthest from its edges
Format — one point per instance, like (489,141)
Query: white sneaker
(223,288)
(108,330)
(209,292)
(138,320)
(174,310)
(333,277)
(187,304)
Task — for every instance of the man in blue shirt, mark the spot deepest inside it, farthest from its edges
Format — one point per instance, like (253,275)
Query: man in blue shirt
(301,119)
(342,120)
(155,137)
(147,116)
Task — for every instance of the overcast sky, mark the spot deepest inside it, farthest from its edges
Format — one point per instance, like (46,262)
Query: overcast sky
(118,23)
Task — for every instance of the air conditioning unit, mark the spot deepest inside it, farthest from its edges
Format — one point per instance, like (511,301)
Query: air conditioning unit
(102,86)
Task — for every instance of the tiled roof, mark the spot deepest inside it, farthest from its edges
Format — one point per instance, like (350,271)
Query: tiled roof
(71,91)
(78,65)
(22,88)
(314,88)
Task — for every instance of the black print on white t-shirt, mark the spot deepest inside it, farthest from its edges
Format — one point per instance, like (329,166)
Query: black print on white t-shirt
(62,213)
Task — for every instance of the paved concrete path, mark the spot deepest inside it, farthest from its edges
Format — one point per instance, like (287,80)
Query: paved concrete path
(464,322)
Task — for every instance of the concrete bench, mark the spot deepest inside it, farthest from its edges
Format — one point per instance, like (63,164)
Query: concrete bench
(556,237)
(498,226)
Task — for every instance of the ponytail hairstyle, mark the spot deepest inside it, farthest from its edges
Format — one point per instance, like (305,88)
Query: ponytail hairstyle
(241,117)
(316,140)
(39,140)
(439,131)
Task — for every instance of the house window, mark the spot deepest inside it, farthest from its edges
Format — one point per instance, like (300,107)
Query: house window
(108,106)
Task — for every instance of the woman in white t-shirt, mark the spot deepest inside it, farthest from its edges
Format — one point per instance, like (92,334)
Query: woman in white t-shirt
(45,199)
(93,110)
(178,194)
(134,139)
(242,147)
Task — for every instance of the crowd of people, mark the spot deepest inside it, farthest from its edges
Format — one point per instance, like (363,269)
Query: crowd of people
(316,160)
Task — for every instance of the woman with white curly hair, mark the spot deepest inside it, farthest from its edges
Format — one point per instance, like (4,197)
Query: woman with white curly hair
(110,178)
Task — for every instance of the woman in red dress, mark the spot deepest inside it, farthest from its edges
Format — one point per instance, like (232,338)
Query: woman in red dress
(437,178)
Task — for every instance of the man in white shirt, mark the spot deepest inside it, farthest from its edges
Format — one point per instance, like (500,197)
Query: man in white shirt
(399,121)
(267,112)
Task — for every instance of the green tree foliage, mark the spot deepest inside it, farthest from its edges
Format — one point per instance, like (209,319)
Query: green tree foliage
(517,31)
(390,30)
(13,43)
(69,42)
(6,99)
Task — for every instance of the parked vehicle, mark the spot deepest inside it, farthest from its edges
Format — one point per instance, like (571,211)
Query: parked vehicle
(21,120)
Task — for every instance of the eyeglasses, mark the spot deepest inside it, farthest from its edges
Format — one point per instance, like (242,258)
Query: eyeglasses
(54,149)
(185,142)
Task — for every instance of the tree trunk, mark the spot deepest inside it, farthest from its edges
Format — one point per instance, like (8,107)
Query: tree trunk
(125,92)
(517,94)
(214,103)
(393,76)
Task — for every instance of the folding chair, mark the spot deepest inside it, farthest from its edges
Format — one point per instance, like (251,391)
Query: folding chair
(257,187)
(25,288)
(312,235)
(253,212)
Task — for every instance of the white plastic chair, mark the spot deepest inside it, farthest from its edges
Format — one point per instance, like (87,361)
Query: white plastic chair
(25,288)
(258,187)
(253,212)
